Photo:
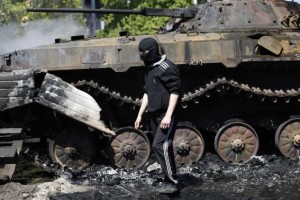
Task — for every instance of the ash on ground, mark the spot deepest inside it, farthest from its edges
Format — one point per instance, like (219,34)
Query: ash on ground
(264,177)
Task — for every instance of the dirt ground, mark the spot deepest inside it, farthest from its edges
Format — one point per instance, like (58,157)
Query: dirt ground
(264,177)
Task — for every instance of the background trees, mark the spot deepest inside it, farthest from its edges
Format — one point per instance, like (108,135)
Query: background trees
(137,24)
(14,11)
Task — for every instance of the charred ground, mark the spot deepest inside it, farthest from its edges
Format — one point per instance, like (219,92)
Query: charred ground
(264,177)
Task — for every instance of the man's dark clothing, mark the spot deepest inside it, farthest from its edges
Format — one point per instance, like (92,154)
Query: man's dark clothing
(162,80)
(162,145)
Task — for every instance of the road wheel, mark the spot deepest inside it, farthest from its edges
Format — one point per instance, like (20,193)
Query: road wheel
(129,149)
(236,142)
(73,149)
(287,138)
(188,145)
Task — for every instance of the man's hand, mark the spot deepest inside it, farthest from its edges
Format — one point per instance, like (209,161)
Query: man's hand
(137,123)
(165,122)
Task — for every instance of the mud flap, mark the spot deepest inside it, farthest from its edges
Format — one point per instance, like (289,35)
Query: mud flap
(16,88)
(67,99)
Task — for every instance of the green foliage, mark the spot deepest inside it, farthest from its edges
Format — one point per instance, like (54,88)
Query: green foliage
(137,24)
(15,11)
(4,11)
(11,11)
(52,4)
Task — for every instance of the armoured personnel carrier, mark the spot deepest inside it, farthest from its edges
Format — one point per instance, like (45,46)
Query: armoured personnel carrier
(239,62)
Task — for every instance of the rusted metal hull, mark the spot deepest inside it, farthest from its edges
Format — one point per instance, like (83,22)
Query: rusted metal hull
(183,49)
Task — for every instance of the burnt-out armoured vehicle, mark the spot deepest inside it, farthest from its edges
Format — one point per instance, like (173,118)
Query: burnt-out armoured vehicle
(239,63)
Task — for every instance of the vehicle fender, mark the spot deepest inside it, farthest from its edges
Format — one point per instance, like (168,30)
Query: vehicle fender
(70,101)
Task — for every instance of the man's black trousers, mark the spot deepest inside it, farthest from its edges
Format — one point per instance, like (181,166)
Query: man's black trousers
(162,144)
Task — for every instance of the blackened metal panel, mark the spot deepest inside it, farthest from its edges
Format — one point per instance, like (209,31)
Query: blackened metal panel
(16,88)
(236,15)
(67,99)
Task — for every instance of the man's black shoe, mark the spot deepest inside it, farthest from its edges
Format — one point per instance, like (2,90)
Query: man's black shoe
(168,188)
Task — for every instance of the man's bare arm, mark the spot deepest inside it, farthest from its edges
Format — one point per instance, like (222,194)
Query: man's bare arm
(165,123)
(143,107)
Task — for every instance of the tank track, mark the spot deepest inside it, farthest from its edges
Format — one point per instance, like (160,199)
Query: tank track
(221,85)
(42,160)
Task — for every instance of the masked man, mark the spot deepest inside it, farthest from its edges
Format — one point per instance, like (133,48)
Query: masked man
(161,97)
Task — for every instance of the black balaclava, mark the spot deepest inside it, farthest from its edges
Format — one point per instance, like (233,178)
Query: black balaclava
(153,55)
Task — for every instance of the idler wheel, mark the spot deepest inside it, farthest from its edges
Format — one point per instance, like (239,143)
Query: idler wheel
(236,142)
(188,145)
(74,149)
(287,138)
(129,149)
